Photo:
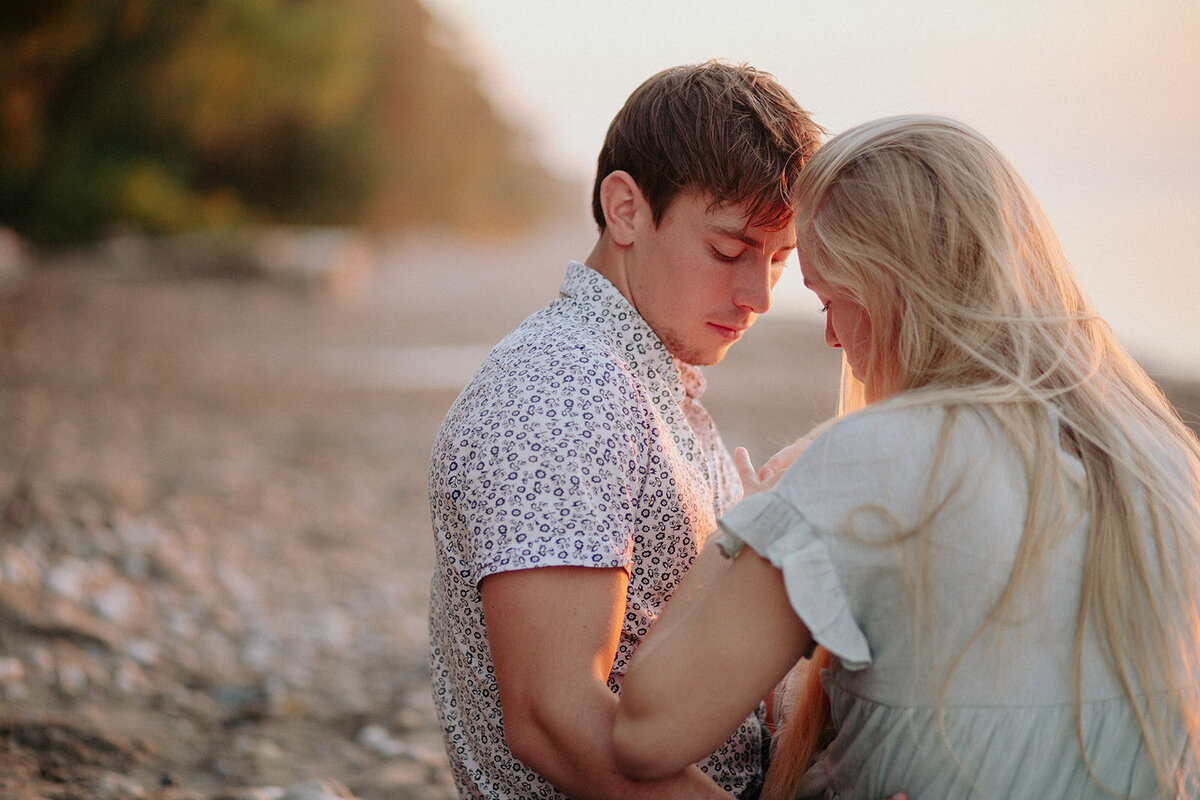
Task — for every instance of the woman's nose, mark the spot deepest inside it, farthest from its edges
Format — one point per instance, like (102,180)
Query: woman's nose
(830,337)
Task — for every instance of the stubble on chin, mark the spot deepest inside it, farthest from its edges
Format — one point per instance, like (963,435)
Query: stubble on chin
(690,354)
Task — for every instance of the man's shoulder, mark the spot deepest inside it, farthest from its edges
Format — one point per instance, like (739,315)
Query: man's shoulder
(538,373)
(549,352)
(552,335)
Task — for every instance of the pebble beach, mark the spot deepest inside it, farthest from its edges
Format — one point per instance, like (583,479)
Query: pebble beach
(214,543)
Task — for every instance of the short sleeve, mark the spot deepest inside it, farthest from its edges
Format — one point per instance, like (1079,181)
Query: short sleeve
(544,468)
(780,533)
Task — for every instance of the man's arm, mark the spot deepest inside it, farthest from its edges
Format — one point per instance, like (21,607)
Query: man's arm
(553,632)
(694,681)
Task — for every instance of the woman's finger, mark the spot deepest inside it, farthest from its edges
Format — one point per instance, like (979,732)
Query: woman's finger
(746,471)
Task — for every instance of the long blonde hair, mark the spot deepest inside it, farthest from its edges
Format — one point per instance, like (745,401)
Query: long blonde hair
(972,301)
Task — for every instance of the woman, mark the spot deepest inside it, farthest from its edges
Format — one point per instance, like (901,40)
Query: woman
(997,552)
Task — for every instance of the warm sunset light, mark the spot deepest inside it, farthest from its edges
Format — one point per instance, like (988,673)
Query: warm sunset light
(1092,101)
(352,446)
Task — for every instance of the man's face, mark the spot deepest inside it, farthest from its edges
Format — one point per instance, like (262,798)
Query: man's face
(701,277)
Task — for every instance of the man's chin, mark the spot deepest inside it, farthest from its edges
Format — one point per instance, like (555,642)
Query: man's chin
(700,351)
(702,357)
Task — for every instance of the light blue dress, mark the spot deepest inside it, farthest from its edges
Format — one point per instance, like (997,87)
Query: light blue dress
(898,612)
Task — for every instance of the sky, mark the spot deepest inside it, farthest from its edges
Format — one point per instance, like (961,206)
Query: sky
(1097,103)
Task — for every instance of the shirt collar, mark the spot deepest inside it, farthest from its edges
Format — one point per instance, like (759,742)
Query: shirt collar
(629,332)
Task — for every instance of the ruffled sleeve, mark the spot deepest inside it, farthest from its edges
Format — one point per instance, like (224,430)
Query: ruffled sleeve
(779,533)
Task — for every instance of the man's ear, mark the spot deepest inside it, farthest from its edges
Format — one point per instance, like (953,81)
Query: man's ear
(622,202)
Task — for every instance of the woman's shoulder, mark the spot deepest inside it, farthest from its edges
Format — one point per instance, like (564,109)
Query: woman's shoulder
(909,434)
(905,420)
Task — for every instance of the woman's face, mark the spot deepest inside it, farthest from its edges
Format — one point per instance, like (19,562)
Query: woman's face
(846,322)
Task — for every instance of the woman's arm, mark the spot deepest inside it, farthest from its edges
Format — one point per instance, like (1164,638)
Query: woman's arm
(711,562)
(692,682)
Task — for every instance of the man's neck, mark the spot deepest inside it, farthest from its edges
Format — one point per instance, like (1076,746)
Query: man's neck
(609,260)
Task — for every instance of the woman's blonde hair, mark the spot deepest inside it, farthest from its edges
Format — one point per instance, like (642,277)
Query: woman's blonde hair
(971,299)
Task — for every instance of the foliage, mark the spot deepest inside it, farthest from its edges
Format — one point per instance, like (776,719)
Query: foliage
(170,115)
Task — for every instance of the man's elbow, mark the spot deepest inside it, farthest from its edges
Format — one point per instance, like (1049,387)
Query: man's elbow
(524,739)
(641,755)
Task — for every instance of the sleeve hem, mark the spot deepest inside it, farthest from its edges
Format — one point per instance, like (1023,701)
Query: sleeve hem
(780,533)
(516,565)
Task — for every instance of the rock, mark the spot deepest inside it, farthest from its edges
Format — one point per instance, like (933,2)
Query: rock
(409,719)
(335,629)
(71,672)
(18,567)
(68,578)
(14,692)
(259,750)
(144,651)
(118,602)
(129,678)
(435,759)
(416,712)
(11,671)
(217,657)
(173,556)
(242,702)
(50,615)
(251,793)
(135,539)
(113,786)
(179,622)
(322,789)
(260,652)
(246,591)
(282,701)
(388,779)
(97,585)
(12,677)
(378,739)
(40,658)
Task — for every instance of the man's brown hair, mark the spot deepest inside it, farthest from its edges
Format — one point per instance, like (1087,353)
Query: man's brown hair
(727,130)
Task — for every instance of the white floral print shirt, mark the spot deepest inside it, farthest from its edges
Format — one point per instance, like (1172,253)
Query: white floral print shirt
(579,442)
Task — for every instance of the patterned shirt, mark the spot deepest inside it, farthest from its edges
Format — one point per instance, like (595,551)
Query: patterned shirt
(579,442)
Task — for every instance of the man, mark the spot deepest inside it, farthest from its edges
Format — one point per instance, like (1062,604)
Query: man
(577,476)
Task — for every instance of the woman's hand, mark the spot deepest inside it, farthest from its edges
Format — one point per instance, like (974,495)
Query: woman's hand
(755,481)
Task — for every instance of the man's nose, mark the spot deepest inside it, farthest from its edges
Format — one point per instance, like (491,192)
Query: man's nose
(754,293)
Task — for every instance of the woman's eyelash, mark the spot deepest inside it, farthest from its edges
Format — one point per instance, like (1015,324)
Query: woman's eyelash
(721,256)
(825,308)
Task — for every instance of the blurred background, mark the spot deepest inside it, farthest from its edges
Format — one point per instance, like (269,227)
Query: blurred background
(172,115)
(1095,101)
(250,250)
(163,116)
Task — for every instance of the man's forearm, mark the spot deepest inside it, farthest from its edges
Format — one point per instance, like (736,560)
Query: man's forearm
(569,742)
(553,634)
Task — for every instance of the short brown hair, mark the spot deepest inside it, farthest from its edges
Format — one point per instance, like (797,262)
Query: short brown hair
(728,130)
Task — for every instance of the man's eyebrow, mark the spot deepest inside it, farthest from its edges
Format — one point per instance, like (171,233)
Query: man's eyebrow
(743,237)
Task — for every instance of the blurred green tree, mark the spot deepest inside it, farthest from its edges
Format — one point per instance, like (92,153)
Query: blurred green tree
(169,115)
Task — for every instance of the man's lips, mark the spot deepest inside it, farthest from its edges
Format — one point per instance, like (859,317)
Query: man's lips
(730,332)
